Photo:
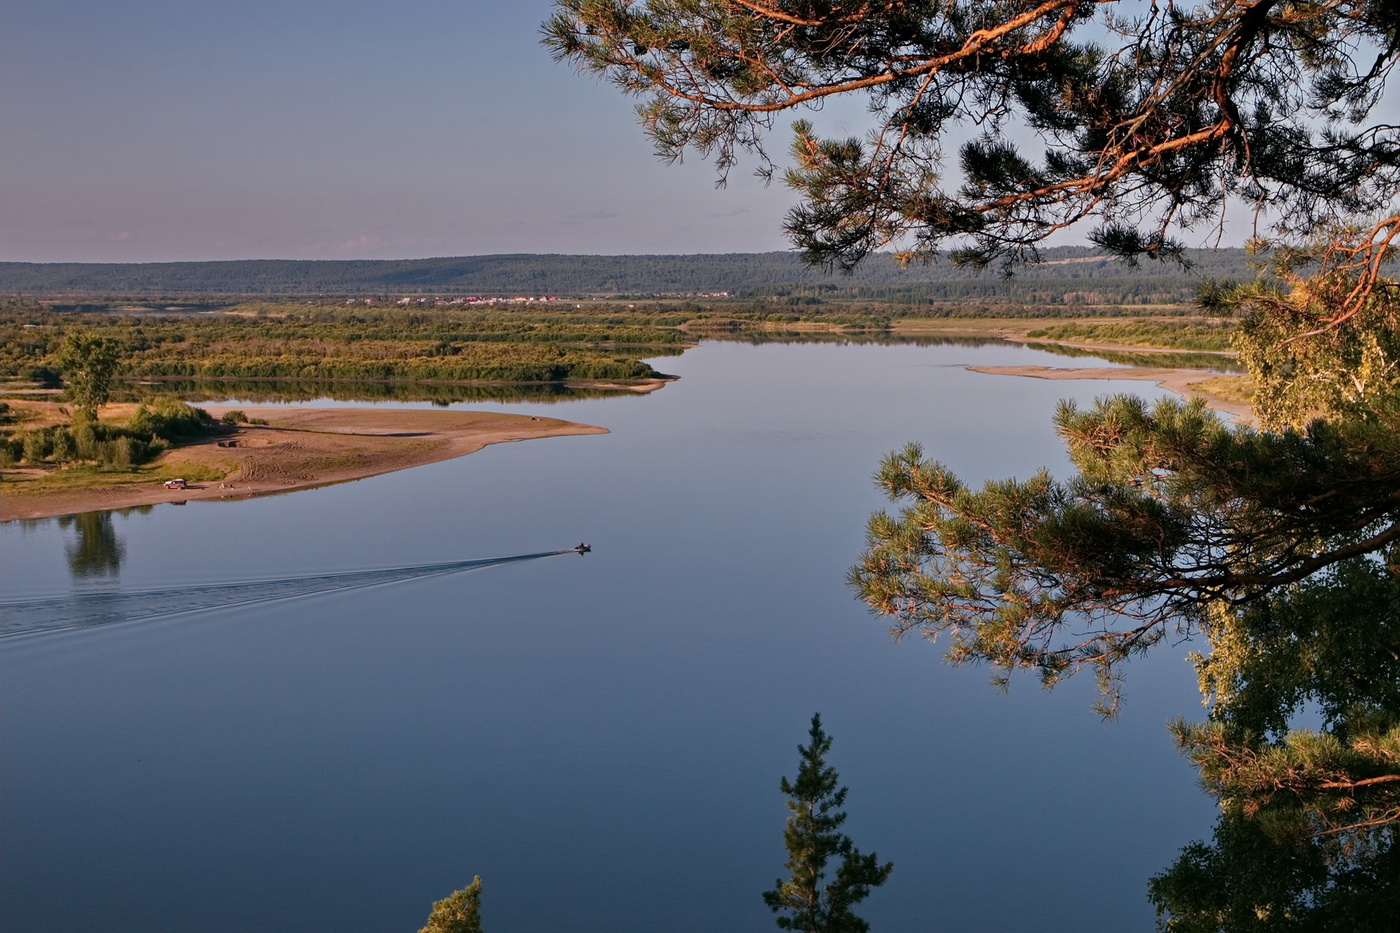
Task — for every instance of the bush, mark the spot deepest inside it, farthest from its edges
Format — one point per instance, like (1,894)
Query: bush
(85,437)
(45,376)
(121,453)
(65,448)
(235,416)
(170,419)
(36,446)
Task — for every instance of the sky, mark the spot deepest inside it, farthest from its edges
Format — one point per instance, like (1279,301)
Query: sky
(159,130)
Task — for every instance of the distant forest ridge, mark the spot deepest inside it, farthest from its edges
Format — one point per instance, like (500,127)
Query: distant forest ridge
(1071,274)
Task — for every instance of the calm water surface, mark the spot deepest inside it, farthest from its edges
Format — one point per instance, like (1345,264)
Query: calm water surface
(599,737)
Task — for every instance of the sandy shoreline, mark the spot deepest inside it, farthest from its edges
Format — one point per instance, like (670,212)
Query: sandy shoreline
(297,449)
(1181,381)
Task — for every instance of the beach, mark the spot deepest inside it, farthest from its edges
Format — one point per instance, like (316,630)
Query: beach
(1184,382)
(297,448)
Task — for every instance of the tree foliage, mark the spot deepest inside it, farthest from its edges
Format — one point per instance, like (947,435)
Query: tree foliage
(1350,369)
(1145,118)
(1245,881)
(811,900)
(1171,512)
(1278,549)
(89,365)
(1279,546)
(459,912)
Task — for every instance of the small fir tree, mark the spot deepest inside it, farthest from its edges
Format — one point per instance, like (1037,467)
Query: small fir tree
(459,912)
(808,901)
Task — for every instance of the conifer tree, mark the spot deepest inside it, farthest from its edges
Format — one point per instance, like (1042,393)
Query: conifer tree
(1280,547)
(459,912)
(811,900)
(1143,119)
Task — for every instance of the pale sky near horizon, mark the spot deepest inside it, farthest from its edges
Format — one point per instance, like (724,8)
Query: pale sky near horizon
(159,130)
(153,130)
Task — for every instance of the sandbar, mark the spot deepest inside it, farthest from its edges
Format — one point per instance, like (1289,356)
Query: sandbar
(1183,382)
(298,448)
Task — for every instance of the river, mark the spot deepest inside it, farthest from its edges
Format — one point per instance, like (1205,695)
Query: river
(599,736)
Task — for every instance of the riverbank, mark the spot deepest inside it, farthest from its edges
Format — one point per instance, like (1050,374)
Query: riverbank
(1188,383)
(296,449)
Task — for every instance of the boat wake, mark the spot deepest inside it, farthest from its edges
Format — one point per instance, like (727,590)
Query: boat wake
(86,610)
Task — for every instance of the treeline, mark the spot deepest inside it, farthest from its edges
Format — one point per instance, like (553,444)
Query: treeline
(311,342)
(1069,275)
(1191,334)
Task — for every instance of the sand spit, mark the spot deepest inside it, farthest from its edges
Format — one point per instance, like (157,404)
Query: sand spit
(1181,381)
(297,449)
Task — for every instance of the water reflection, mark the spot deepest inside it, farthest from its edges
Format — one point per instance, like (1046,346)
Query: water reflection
(95,550)
(1202,359)
(853,338)
(302,390)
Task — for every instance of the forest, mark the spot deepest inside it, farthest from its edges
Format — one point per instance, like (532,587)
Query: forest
(304,341)
(1067,275)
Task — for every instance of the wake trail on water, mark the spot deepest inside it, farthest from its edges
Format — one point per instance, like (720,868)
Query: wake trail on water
(86,610)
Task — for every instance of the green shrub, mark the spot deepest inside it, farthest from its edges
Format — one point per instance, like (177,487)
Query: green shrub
(121,453)
(45,376)
(36,446)
(235,416)
(170,419)
(65,448)
(85,436)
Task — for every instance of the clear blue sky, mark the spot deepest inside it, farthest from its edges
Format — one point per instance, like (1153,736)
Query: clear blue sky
(146,130)
(149,130)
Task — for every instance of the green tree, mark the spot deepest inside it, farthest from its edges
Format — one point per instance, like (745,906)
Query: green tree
(807,900)
(1246,881)
(1143,119)
(459,912)
(1171,513)
(89,365)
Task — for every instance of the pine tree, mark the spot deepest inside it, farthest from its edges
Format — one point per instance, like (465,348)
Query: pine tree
(459,912)
(808,901)
(1144,119)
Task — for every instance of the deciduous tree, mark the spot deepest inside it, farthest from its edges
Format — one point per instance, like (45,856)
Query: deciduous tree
(89,364)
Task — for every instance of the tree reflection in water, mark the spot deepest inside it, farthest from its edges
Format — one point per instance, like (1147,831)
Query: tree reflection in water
(95,550)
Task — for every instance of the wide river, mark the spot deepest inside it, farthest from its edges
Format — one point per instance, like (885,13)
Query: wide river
(600,737)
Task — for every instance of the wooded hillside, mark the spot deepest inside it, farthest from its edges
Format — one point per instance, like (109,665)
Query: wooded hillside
(1070,275)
